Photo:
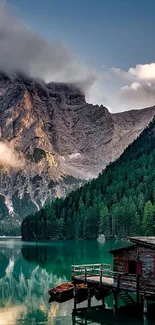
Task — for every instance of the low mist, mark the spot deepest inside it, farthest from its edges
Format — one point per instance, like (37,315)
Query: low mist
(9,157)
(23,50)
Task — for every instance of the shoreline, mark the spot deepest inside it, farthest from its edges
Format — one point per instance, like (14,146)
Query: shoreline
(11,236)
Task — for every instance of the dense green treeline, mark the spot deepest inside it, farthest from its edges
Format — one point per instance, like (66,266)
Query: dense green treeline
(120,202)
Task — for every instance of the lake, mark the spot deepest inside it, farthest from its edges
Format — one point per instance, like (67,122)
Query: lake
(29,270)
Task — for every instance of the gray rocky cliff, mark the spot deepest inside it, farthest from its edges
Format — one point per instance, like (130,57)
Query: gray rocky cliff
(62,140)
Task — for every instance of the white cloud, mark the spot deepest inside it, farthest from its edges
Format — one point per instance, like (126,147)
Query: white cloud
(138,95)
(119,72)
(9,157)
(143,71)
(94,94)
(139,88)
(23,50)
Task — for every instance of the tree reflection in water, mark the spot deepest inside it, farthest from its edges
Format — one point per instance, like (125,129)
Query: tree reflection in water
(28,270)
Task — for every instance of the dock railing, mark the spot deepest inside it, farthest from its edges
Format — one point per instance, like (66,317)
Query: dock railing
(88,270)
(103,273)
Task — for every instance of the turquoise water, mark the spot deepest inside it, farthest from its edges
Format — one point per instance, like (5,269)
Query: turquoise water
(29,270)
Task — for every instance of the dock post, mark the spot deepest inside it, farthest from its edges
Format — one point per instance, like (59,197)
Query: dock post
(115,302)
(137,293)
(89,298)
(145,310)
(75,293)
(103,303)
(73,320)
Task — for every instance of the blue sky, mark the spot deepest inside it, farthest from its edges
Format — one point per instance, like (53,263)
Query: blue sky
(103,33)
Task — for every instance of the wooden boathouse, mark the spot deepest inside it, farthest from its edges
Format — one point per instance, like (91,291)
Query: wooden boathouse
(131,278)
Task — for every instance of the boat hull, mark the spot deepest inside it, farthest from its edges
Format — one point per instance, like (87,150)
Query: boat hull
(65,292)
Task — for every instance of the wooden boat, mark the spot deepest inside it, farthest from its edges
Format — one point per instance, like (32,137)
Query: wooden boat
(65,292)
(62,292)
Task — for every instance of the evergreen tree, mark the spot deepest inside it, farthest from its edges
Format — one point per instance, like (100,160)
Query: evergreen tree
(103,223)
(69,229)
(61,228)
(148,219)
(87,228)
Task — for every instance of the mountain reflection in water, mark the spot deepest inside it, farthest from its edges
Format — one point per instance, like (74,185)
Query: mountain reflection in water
(28,270)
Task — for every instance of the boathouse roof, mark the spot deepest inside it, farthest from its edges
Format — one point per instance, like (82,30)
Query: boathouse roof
(113,251)
(145,241)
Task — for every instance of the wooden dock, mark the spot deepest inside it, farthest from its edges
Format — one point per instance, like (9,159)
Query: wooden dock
(105,281)
(131,278)
(100,274)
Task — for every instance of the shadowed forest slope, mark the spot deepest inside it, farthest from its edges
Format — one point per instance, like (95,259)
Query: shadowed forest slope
(120,202)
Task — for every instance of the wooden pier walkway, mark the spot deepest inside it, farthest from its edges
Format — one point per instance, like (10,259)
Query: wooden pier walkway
(93,274)
(131,278)
(102,275)
(103,281)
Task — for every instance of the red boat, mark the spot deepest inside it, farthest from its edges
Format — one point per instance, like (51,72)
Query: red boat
(62,292)
(65,292)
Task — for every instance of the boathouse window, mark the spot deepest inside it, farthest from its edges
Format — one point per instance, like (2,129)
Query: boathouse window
(132,267)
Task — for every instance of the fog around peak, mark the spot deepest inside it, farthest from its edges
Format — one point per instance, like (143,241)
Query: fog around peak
(23,50)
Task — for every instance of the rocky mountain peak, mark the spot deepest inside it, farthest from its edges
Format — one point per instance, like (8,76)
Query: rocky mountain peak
(60,139)
(66,93)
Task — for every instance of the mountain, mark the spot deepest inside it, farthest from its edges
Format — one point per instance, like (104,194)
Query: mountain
(56,141)
(120,202)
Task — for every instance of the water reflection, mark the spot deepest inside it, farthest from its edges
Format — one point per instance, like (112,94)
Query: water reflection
(24,286)
(59,256)
(28,270)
